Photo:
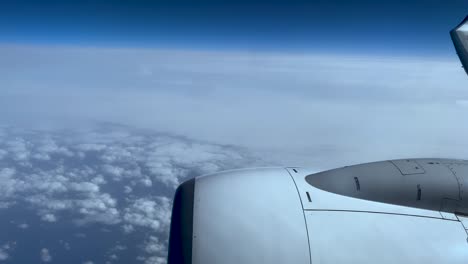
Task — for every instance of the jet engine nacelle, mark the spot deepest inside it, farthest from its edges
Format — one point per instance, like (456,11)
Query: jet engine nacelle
(399,211)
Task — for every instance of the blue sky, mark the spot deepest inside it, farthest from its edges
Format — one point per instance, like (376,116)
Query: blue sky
(365,27)
(340,74)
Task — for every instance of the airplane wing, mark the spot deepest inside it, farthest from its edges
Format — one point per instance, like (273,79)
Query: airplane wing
(460,40)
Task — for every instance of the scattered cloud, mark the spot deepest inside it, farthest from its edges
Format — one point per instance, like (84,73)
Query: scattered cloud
(3,255)
(155,260)
(154,213)
(45,255)
(23,226)
(155,247)
(5,249)
(112,176)
(49,218)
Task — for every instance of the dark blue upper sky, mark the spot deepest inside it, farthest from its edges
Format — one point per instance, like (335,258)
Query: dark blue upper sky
(389,27)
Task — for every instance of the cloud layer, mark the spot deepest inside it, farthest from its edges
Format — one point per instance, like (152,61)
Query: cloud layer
(107,177)
(320,110)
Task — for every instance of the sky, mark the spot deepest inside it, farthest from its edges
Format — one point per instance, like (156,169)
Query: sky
(318,83)
(106,106)
(363,26)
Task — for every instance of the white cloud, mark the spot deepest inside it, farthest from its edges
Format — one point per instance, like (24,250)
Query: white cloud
(7,173)
(155,260)
(99,180)
(114,171)
(47,203)
(63,183)
(45,255)
(48,146)
(80,191)
(41,156)
(128,228)
(120,248)
(147,182)
(116,153)
(156,249)
(9,184)
(23,226)
(46,183)
(154,213)
(154,246)
(127,189)
(169,162)
(86,187)
(84,191)
(91,147)
(49,218)
(291,104)
(19,148)
(3,255)
(5,250)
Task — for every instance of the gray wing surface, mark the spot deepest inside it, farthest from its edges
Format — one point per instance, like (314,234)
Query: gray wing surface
(460,41)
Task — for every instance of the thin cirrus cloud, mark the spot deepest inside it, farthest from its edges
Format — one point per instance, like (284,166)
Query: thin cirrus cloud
(319,110)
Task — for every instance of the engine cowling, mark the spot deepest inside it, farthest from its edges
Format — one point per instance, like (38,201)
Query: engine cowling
(399,211)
